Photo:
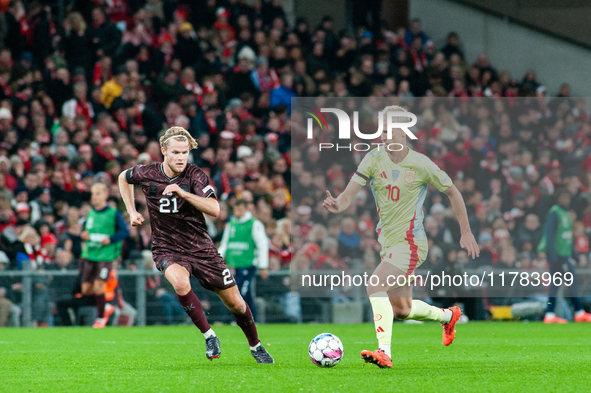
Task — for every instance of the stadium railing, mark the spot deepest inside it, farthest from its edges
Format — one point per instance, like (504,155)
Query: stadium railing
(319,306)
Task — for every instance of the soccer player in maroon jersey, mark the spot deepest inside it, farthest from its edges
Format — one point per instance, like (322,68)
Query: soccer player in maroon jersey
(177,195)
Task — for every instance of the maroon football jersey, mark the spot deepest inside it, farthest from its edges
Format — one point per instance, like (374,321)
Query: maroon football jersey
(177,226)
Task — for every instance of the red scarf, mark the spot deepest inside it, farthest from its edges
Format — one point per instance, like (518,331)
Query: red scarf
(6,89)
(83,109)
(106,155)
(68,183)
(24,26)
(268,82)
(36,254)
(122,120)
(226,188)
(192,87)
(213,128)
(419,60)
(228,47)
(97,75)
(26,159)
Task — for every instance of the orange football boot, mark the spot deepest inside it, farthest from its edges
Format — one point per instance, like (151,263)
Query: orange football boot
(584,317)
(99,324)
(379,358)
(449,329)
(554,319)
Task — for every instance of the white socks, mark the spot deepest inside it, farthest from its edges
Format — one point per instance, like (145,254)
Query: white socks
(383,317)
(447,314)
(421,311)
(255,347)
(387,349)
(209,333)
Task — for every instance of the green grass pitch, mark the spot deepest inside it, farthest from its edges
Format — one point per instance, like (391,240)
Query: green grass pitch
(486,357)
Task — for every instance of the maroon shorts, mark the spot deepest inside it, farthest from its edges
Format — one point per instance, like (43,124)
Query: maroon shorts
(211,270)
(92,271)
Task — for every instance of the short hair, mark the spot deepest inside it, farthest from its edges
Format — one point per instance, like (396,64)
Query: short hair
(178,133)
(395,108)
(101,186)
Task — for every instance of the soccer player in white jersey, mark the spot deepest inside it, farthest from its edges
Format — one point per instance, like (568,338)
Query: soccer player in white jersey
(399,178)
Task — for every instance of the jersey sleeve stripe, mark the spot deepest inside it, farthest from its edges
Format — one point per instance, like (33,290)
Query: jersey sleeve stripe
(362,176)
(210,189)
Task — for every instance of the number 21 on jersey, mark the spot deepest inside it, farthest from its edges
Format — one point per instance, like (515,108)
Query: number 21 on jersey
(165,205)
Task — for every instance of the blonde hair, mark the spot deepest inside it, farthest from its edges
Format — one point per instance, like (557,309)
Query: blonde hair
(395,108)
(76,16)
(178,133)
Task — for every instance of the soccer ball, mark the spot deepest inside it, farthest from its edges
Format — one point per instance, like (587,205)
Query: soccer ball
(325,350)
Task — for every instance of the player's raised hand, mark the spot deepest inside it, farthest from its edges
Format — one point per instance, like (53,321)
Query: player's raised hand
(468,243)
(174,189)
(330,203)
(136,219)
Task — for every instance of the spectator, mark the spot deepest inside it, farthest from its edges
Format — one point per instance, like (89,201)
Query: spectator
(415,30)
(79,106)
(113,88)
(457,160)
(105,35)
(187,46)
(77,36)
(283,94)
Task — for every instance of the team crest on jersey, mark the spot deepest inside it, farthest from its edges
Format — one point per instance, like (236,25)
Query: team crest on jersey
(395,174)
(410,175)
(152,191)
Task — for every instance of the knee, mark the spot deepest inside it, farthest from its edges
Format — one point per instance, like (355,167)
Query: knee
(401,311)
(237,306)
(98,287)
(181,285)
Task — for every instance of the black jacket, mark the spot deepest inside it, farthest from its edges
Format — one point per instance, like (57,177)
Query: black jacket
(106,37)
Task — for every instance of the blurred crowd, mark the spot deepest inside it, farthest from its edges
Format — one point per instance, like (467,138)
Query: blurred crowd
(507,156)
(83,98)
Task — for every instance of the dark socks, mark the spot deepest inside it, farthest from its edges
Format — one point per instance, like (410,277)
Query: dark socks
(100,305)
(192,307)
(246,323)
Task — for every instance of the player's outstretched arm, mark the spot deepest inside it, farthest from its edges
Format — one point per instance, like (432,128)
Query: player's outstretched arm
(343,201)
(126,190)
(208,206)
(467,241)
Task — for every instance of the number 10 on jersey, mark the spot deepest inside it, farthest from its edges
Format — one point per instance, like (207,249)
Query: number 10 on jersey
(393,193)
(165,205)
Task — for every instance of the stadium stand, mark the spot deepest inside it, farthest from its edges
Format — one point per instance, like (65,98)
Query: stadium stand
(85,97)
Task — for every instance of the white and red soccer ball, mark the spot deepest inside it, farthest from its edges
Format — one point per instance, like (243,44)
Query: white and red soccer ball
(325,350)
